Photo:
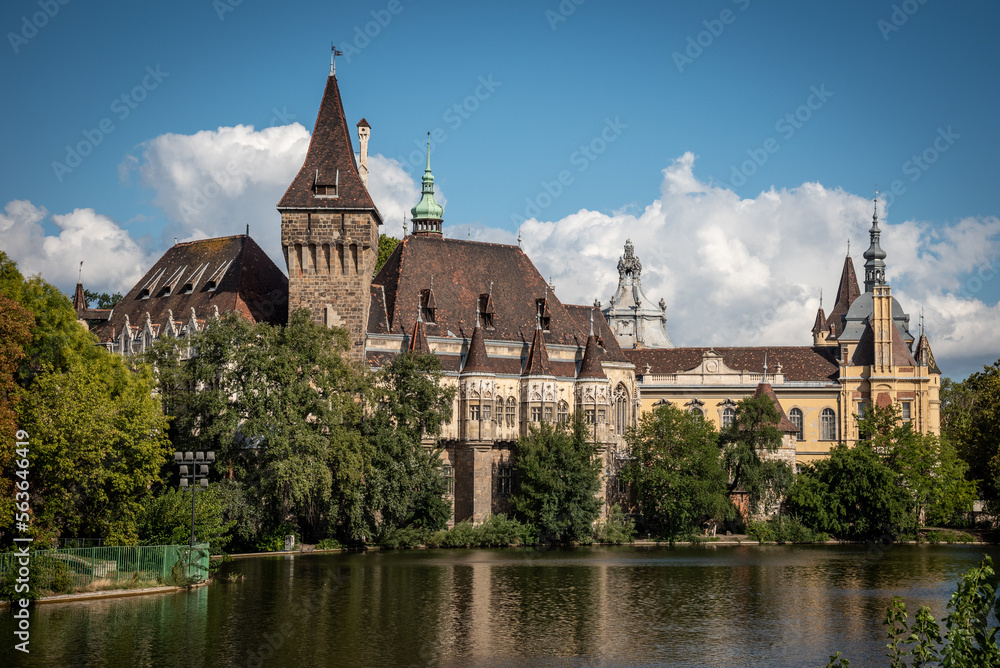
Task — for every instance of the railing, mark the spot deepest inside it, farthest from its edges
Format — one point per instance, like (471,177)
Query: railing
(99,568)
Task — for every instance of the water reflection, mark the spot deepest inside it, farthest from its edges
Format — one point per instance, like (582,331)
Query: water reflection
(719,606)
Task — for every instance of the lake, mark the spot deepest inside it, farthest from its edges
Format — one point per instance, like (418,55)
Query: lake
(746,605)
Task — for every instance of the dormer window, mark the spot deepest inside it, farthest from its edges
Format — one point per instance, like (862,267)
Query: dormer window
(427,306)
(542,313)
(322,186)
(486,311)
(187,289)
(144,294)
(210,286)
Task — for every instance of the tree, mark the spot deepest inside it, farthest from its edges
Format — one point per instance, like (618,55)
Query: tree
(970,413)
(99,441)
(745,444)
(676,471)
(101,299)
(406,486)
(852,494)
(386,245)
(559,481)
(166,518)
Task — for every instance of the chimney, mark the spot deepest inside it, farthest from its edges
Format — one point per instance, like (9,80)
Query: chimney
(364,130)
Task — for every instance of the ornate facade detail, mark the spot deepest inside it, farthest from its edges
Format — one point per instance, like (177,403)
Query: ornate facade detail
(634,319)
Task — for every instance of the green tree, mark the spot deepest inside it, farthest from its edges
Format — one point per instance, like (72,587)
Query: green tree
(166,518)
(386,245)
(970,416)
(101,299)
(559,480)
(99,441)
(410,407)
(676,471)
(745,444)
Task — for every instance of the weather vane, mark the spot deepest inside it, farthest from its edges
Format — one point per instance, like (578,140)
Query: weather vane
(334,52)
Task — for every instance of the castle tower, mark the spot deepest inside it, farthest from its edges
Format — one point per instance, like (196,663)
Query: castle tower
(428,215)
(329,227)
(473,458)
(874,256)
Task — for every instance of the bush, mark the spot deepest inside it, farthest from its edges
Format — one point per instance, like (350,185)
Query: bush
(400,539)
(615,529)
(329,544)
(784,529)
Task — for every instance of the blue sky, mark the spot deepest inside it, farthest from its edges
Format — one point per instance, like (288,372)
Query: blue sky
(765,97)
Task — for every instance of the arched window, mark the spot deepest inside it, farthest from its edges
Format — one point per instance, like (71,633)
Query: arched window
(621,409)
(697,411)
(728,417)
(795,415)
(563,412)
(828,425)
(511,412)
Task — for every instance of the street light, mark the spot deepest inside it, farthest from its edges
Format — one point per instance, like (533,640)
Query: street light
(194,473)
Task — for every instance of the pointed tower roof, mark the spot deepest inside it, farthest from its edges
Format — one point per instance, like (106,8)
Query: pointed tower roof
(79,300)
(329,177)
(847,292)
(590,366)
(784,424)
(924,355)
(820,324)
(427,215)
(477,360)
(418,340)
(538,356)
(874,256)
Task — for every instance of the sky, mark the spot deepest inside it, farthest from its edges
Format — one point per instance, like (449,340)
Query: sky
(737,143)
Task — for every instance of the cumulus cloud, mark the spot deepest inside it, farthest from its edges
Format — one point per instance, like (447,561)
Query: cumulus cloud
(113,259)
(749,271)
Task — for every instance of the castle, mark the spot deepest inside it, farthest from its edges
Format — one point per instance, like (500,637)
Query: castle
(516,354)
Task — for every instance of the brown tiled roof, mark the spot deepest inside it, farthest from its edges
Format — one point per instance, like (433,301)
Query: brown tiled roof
(609,349)
(477,359)
(245,279)
(329,161)
(538,357)
(820,324)
(925,355)
(591,366)
(784,424)
(798,363)
(418,340)
(847,292)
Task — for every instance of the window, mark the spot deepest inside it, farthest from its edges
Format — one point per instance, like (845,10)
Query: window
(536,413)
(499,413)
(548,413)
(697,411)
(828,425)
(542,311)
(486,411)
(449,476)
(474,411)
(563,412)
(511,412)
(486,311)
(427,305)
(621,409)
(602,416)
(905,410)
(505,480)
(589,415)
(795,415)
(728,416)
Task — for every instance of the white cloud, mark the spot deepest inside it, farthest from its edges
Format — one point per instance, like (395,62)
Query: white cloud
(749,272)
(113,261)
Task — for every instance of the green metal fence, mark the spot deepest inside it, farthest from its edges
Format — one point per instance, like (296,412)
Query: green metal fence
(121,567)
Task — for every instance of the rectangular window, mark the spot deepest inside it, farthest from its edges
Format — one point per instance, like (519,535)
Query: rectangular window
(905,410)
(473,411)
(449,476)
(548,413)
(486,412)
(505,480)
(511,414)
(536,413)
(602,416)
(589,415)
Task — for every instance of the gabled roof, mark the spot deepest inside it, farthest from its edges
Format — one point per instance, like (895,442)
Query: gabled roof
(847,292)
(538,357)
(924,355)
(329,161)
(798,363)
(784,424)
(229,273)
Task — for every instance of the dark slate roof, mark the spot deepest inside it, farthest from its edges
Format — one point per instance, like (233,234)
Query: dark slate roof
(477,358)
(784,424)
(591,366)
(820,324)
(418,339)
(538,357)
(461,271)
(245,278)
(847,292)
(329,161)
(798,363)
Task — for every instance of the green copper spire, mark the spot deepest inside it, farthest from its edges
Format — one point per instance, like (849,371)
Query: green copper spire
(427,214)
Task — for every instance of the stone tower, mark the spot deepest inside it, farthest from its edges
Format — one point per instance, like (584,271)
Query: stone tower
(330,227)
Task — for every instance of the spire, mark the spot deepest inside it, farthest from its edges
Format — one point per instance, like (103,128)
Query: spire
(418,340)
(79,299)
(329,178)
(590,366)
(477,359)
(427,214)
(874,256)
(538,355)
(847,292)
(820,324)
(783,423)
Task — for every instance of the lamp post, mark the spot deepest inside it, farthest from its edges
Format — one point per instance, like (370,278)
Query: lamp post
(194,473)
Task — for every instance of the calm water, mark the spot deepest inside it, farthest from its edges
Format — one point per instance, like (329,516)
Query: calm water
(687,606)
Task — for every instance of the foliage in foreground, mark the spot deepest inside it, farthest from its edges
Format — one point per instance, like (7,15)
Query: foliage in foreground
(967,640)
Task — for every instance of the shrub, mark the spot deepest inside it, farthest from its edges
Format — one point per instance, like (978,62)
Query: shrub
(616,528)
(784,529)
(329,544)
